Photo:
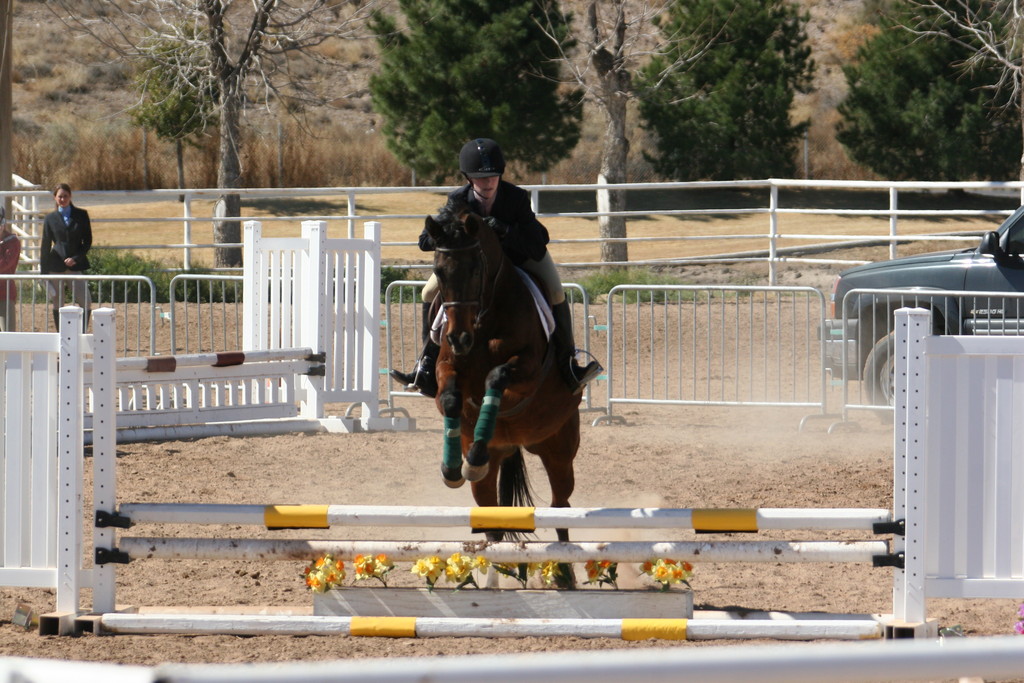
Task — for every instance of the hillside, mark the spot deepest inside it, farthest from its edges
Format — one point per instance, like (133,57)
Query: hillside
(64,84)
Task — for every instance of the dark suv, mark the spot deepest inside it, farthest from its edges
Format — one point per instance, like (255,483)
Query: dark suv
(925,281)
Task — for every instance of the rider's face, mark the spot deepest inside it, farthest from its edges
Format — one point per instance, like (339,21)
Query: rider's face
(485,187)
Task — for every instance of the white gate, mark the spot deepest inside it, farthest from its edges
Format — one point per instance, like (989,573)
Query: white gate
(323,294)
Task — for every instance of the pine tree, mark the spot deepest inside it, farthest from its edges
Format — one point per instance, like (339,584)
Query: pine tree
(914,113)
(473,68)
(727,116)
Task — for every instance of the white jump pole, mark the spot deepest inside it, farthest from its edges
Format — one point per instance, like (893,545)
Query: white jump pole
(446,627)
(138,547)
(525,518)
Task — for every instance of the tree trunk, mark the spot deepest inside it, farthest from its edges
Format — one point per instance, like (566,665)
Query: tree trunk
(611,93)
(179,150)
(613,171)
(229,175)
(1020,113)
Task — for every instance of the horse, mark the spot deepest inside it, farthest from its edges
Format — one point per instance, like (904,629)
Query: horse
(498,388)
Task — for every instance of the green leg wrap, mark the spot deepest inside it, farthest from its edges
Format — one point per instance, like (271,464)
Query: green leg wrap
(488,416)
(452,444)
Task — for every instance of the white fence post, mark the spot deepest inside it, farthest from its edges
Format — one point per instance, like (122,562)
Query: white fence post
(70,453)
(311,316)
(251,284)
(909,495)
(369,273)
(104,449)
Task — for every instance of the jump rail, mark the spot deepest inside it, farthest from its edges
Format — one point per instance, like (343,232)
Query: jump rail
(513,518)
(162,548)
(441,627)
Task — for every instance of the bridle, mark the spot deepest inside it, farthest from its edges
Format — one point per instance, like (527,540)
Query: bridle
(482,310)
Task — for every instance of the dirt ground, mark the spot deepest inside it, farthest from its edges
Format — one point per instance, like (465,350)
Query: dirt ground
(673,457)
(663,456)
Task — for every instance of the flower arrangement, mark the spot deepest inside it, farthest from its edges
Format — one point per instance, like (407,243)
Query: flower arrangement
(1018,627)
(668,572)
(602,572)
(457,569)
(324,573)
(373,567)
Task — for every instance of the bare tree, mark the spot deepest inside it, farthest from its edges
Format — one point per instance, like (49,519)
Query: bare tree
(244,53)
(992,31)
(614,38)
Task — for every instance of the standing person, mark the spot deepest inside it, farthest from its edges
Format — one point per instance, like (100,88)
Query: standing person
(506,208)
(67,238)
(10,252)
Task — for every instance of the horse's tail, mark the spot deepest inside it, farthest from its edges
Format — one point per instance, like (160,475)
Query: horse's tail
(513,484)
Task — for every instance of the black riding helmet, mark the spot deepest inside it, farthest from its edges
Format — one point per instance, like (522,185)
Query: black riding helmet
(481,158)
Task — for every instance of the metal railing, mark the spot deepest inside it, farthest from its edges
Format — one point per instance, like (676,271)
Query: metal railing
(205,313)
(861,349)
(717,345)
(133,296)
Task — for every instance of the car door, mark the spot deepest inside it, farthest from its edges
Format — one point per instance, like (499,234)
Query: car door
(1003,272)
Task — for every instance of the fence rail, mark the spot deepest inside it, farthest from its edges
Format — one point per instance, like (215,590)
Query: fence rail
(690,206)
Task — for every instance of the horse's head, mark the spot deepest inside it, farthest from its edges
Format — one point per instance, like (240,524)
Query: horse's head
(467,255)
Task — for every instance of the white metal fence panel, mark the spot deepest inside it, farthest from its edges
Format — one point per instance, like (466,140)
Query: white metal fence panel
(715,345)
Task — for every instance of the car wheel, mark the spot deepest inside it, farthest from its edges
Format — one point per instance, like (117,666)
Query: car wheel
(879,371)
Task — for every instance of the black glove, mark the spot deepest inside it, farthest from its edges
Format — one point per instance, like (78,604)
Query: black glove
(500,229)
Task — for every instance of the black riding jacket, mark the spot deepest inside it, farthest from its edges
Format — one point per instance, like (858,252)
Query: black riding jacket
(526,237)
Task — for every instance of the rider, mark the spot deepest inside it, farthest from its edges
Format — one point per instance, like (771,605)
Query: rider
(506,208)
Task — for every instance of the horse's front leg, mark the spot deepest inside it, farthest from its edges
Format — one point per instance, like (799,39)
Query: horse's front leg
(477,458)
(449,400)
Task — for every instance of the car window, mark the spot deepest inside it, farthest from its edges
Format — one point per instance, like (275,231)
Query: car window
(1015,238)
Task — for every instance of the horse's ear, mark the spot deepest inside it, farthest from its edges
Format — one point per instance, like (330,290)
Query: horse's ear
(472,224)
(434,229)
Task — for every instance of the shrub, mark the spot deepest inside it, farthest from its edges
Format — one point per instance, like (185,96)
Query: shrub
(599,283)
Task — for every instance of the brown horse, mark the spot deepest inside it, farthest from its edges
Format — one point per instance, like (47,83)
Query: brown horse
(498,389)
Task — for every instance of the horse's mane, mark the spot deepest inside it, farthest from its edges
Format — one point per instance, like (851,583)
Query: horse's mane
(452,218)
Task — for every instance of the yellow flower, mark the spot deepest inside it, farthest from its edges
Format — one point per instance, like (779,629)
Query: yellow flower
(324,573)
(429,568)
(458,568)
(481,563)
(668,572)
(548,571)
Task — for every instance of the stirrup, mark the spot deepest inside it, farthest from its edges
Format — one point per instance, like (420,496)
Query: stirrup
(418,380)
(587,373)
(584,374)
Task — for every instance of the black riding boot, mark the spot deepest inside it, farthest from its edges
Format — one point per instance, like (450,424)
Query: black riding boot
(422,377)
(56,320)
(565,351)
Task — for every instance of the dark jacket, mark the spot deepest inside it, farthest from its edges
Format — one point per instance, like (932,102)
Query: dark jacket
(526,237)
(59,241)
